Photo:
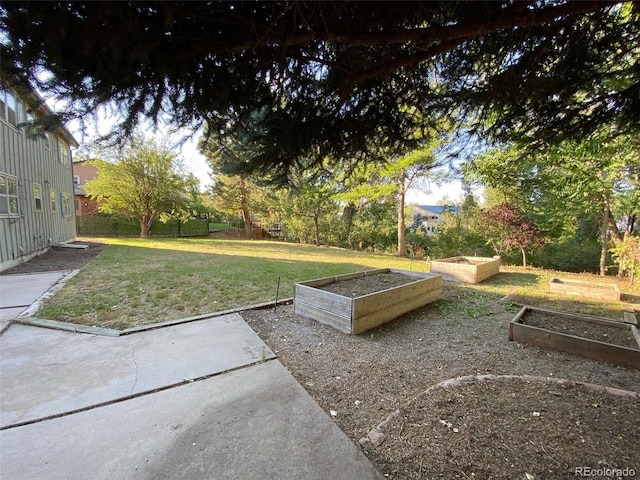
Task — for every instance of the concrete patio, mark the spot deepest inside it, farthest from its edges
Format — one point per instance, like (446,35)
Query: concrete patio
(200,400)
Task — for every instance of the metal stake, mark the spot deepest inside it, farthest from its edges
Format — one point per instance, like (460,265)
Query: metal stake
(275,305)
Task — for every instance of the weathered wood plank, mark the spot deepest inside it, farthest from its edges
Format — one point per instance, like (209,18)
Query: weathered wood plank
(636,334)
(340,311)
(339,322)
(320,282)
(595,350)
(630,317)
(331,302)
(609,322)
(515,321)
(363,306)
(603,291)
(478,270)
(377,318)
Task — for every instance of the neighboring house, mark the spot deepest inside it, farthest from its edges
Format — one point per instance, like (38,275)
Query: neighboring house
(83,171)
(431,215)
(36,181)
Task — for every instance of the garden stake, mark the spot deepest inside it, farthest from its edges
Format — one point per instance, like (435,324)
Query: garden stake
(275,305)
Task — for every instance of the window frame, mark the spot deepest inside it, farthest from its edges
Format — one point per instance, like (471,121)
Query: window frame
(9,196)
(53,200)
(63,152)
(12,107)
(66,205)
(37,197)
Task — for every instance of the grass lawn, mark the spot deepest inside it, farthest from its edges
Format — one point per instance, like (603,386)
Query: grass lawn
(135,282)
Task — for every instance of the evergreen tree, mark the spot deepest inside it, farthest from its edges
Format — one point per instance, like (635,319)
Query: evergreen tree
(317,80)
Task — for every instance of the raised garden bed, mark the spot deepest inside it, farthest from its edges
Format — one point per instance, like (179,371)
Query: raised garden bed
(467,269)
(357,302)
(602,291)
(592,337)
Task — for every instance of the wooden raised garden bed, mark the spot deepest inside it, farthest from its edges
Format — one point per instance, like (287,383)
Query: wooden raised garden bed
(602,291)
(467,269)
(386,294)
(592,337)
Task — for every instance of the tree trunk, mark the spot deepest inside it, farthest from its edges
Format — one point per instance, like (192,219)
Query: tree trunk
(604,238)
(316,224)
(145,227)
(244,206)
(631,222)
(402,244)
(524,258)
(348,212)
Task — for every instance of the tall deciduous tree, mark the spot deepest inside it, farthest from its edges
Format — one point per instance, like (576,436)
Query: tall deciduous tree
(597,177)
(327,76)
(604,174)
(142,182)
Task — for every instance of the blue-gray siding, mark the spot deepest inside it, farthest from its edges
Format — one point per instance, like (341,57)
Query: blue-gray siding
(34,161)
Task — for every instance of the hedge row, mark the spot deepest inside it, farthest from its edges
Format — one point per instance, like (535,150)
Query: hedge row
(111,226)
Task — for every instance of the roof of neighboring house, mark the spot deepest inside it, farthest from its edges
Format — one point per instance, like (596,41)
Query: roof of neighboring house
(36,102)
(435,209)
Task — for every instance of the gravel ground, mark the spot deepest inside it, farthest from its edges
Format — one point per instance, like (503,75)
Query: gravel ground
(364,380)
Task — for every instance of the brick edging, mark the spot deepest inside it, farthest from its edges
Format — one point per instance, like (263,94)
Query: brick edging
(377,434)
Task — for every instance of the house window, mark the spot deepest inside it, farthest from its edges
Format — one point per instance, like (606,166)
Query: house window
(37,196)
(66,205)
(8,106)
(3,103)
(63,153)
(47,140)
(76,179)
(53,200)
(8,195)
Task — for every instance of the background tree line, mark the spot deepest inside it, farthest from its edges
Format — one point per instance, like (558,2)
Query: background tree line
(571,207)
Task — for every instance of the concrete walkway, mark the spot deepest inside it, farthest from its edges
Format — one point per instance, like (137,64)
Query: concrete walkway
(19,292)
(200,400)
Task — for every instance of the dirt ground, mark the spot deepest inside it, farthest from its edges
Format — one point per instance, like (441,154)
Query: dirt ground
(59,258)
(383,389)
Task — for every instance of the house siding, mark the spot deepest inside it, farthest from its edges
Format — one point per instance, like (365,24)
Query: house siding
(431,216)
(85,205)
(34,160)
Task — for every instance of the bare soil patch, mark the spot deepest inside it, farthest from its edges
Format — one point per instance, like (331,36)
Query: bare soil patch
(59,258)
(358,287)
(589,330)
(508,429)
